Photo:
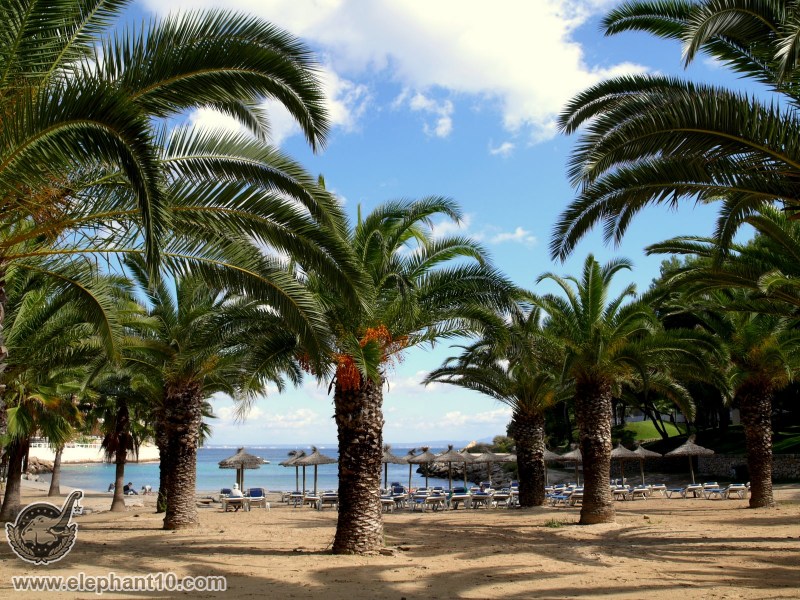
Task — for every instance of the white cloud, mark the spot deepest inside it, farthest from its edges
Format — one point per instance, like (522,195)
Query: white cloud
(519,235)
(448,227)
(498,417)
(505,149)
(441,111)
(520,59)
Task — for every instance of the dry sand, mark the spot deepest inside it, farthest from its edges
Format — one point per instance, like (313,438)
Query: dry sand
(658,548)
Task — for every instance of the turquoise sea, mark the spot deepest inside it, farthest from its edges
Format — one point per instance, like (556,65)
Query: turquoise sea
(210,478)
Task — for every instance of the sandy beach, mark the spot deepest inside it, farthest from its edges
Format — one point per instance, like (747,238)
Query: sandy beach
(658,548)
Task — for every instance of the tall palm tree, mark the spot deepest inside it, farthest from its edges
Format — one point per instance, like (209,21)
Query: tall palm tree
(657,140)
(87,99)
(518,366)
(608,343)
(420,288)
(764,356)
(55,341)
(202,341)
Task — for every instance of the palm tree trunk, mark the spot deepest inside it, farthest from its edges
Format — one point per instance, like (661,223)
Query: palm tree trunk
(55,480)
(755,403)
(118,502)
(11,501)
(593,412)
(359,420)
(528,433)
(183,411)
(164,465)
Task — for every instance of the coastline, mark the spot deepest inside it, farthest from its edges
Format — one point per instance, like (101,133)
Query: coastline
(79,454)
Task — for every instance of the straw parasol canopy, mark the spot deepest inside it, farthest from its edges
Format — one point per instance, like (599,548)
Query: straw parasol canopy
(390,459)
(489,458)
(315,459)
(576,457)
(240,461)
(690,449)
(623,454)
(450,457)
(643,454)
(425,458)
(294,456)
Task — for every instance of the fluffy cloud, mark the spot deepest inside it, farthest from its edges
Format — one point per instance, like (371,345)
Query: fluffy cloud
(505,149)
(498,417)
(519,58)
(519,235)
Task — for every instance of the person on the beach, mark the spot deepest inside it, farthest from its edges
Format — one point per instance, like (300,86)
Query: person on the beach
(110,487)
(129,490)
(146,490)
(236,492)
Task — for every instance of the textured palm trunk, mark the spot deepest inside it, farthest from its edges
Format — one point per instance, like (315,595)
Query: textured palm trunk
(359,420)
(593,413)
(164,465)
(118,502)
(11,501)
(55,480)
(528,433)
(3,355)
(755,404)
(183,414)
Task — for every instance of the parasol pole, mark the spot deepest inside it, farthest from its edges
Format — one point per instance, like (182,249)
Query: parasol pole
(304,479)
(641,466)
(315,480)
(410,467)
(386,475)
(691,467)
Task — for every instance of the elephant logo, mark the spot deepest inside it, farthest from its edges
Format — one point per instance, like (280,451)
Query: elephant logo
(42,533)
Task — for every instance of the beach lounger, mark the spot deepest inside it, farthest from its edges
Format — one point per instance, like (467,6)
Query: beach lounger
(258,497)
(312,501)
(329,499)
(387,503)
(236,504)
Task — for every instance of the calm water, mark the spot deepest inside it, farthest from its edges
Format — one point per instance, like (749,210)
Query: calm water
(210,478)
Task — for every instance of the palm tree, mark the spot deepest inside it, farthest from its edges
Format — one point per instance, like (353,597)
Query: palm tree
(608,343)
(202,341)
(86,109)
(656,140)
(420,289)
(519,366)
(55,342)
(764,355)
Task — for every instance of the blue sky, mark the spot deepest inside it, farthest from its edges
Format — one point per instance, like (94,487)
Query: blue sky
(453,98)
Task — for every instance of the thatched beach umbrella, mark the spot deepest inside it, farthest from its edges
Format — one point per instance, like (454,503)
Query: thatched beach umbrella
(623,454)
(690,449)
(576,457)
(389,458)
(294,456)
(644,453)
(549,457)
(425,458)
(240,461)
(451,456)
(315,459)
(489,458)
